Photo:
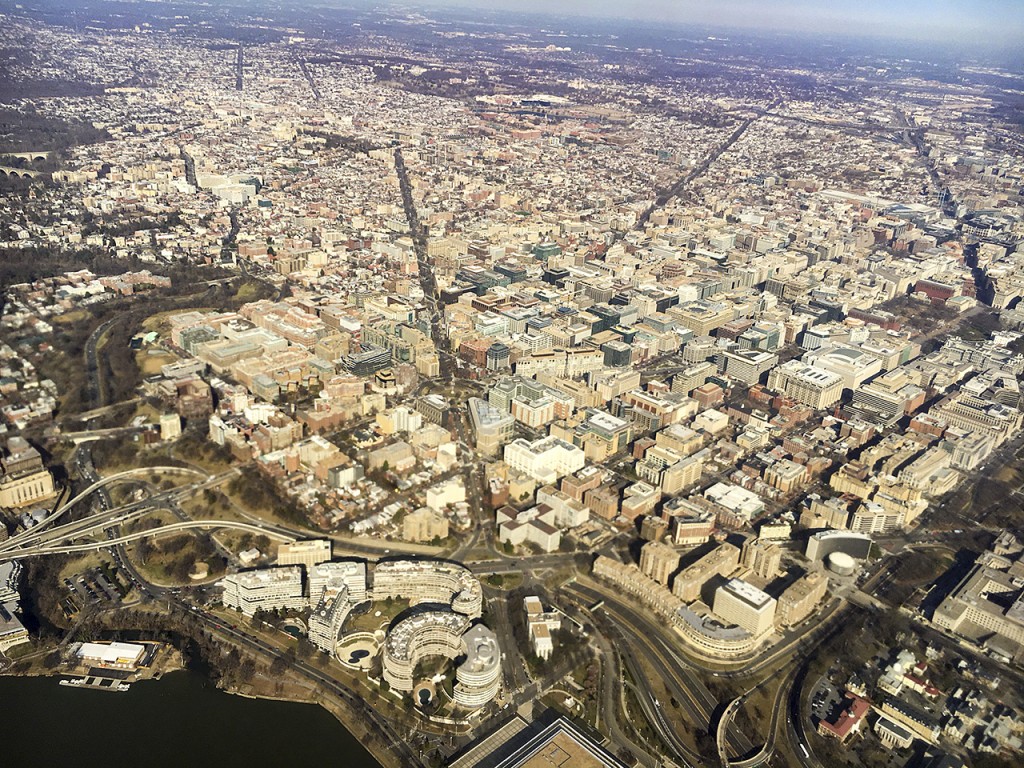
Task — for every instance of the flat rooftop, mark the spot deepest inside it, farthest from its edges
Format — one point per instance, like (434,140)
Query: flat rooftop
(559,744)
(747,592)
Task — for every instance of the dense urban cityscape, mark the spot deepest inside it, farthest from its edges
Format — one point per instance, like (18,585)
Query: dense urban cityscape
(522,390)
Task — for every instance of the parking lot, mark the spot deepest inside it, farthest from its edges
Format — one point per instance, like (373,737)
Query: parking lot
(91,588)
(825,698)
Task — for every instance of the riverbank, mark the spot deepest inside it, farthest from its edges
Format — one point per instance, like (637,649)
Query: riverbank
(181,719)
(38,662)
(219,657)
(286,688)
(302,691)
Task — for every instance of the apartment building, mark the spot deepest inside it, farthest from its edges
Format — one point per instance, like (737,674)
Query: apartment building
(806,384)
(267,589)
(746,606)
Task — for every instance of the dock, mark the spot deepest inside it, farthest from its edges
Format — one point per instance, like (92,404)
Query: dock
(96,683)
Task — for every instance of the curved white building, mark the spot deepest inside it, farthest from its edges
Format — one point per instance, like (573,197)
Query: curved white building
(429,581)
(447,634)
(264,589)
(478,677)
(432,633)
(333,575)
(823,543)
(708,635)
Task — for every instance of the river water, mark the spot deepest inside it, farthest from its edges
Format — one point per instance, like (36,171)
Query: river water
(180,720)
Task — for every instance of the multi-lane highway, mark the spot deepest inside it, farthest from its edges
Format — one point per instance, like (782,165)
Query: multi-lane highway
(94,385)
(163,530)
(612,714)
(103,526)
(642,646)
(381,725)
(642,638)
(236,634)
(47,538)
(652,707)
(96,484)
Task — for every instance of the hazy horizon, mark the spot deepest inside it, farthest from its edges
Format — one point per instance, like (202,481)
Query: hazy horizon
(960,22)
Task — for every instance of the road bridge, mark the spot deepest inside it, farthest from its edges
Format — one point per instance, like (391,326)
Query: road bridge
(85,416)
(163,530)
(129,474)
(92,435)
(87,526)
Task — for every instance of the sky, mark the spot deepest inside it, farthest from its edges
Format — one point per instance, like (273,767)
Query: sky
(979,21)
